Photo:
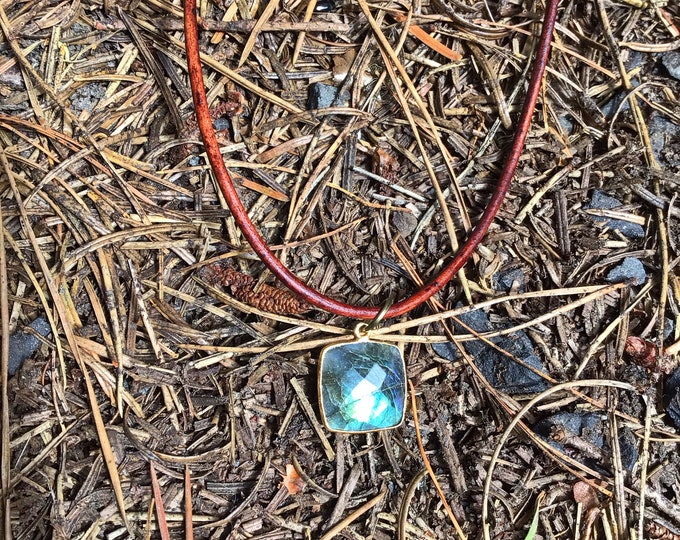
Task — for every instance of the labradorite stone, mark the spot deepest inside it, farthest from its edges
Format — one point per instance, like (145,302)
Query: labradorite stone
(362,386)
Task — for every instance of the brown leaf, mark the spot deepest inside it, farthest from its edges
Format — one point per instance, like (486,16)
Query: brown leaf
(385,164)
(292,481)
(585,494)
(641,351)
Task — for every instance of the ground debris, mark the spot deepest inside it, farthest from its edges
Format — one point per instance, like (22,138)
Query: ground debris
(159,351)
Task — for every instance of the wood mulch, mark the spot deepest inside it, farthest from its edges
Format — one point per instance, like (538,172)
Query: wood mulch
(168,388)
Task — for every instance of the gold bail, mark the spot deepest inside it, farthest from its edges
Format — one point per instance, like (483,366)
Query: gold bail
(379,317)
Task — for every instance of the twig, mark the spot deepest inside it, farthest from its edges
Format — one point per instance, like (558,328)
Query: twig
(5,452)
(406,501)
(160,507)
(428,465)
(336,529)
(246,26)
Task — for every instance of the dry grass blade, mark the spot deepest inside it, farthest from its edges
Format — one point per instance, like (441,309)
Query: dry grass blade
(107,451)
(155,69)
(406,501)
(428,40)
(309,11)
(492,80)
(337,528)
(264,18)
(644,468)
(188,506)
(235,513)
(68,328)
(115,306)
(428,465)
(393,61)
(234,76)
(599,340)
(37,460)
(160,506)
(309,410)
(5,454)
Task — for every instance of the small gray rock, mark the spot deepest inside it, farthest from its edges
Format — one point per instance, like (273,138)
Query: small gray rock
(324,95)
(221,124)
(630,269)
(405,223)
(603,201)
(663,136)
(590,427)
(672,397)
(612,105)
(567,123)
(587,425)
(505,279)
(87,97)
(22,345)
(671,61)
(668,328)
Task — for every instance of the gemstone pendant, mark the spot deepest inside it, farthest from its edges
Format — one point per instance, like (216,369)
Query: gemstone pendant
(362,386)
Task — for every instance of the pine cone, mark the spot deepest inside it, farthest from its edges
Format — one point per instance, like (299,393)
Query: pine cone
(265,297)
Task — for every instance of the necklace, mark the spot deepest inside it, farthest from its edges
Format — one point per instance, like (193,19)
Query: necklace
(362,384)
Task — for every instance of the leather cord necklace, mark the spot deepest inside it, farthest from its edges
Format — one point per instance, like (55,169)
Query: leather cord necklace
(362,384)
(260,246)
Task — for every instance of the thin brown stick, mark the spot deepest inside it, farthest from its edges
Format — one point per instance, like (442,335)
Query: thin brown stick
(5,453)
(428,465)
(160,507)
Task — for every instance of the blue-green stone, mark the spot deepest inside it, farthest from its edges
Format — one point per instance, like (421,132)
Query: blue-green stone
(362,386)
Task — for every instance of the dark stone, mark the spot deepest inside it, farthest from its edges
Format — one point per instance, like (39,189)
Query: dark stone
(325,6)
(504,280)
(614,105)
(221,123)
(22,345)
(672,397)
(671,61)
(631,269)
(664,138)
(404,222)
(673,383)
(628,444)
(673,409)
(447,351)
(499,369)
(668,328)
(635,59)
(362,386)
(591,428)
(323,95)
(567,123)
(586,425)
(605,202)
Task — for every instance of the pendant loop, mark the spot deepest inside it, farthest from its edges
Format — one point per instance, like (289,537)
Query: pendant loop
(361,330)
(381,314)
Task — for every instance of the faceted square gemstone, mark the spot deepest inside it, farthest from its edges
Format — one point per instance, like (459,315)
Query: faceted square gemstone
(362,386)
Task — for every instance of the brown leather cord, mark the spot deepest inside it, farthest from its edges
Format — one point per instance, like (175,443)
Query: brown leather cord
(258,243)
